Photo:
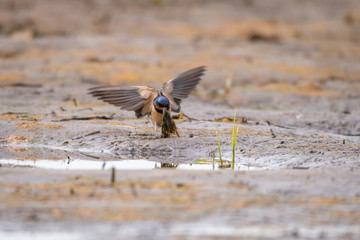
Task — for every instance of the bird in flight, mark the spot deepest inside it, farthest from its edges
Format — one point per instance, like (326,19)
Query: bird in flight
(147,101)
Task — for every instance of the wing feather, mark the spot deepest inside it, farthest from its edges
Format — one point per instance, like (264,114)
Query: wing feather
(181,86)
(138,99)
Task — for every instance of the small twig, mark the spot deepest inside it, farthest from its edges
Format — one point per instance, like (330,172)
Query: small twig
(113,172)
(86,135)
(93,133)
(23,85)
(84,118)
(88,155)
(301,168)
(352,134)
(276,125)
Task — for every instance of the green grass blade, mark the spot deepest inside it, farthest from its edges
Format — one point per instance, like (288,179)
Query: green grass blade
(233,142)
(218,143)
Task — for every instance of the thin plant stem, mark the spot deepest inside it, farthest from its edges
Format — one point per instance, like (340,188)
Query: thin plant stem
(234,138)
(213,160)
(218,143)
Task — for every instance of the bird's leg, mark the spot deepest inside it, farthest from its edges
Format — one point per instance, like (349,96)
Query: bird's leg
(156,129)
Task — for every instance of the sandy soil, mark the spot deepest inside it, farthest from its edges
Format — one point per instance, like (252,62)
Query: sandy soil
(290,68)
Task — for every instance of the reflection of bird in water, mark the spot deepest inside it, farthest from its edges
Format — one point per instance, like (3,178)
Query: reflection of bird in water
(146,100)
(168,165)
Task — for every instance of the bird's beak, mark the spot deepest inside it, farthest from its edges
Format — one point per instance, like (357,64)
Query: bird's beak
(159,108)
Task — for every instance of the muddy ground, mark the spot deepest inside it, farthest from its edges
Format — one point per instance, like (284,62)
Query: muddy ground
(290,68)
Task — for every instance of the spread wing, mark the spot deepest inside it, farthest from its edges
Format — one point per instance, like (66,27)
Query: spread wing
(138,99)
(181,86)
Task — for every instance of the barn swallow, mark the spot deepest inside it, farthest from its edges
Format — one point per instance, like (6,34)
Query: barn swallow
(147,101)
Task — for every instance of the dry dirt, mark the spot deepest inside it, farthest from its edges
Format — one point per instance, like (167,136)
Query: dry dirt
(290,68)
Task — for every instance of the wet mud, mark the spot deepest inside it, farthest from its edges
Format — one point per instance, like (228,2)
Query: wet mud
(289,68)
(163,204)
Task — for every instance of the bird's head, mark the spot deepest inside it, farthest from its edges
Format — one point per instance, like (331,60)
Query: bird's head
(160,103)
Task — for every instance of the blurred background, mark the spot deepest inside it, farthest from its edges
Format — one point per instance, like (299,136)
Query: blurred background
(291,68)
(265,55)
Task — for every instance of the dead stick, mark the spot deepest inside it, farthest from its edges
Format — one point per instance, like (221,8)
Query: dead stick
(113,175)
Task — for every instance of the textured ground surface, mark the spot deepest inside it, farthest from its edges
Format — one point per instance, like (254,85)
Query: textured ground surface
(291,68)
(168,204)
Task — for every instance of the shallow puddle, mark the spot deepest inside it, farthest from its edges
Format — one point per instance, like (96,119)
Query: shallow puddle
(78,164)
